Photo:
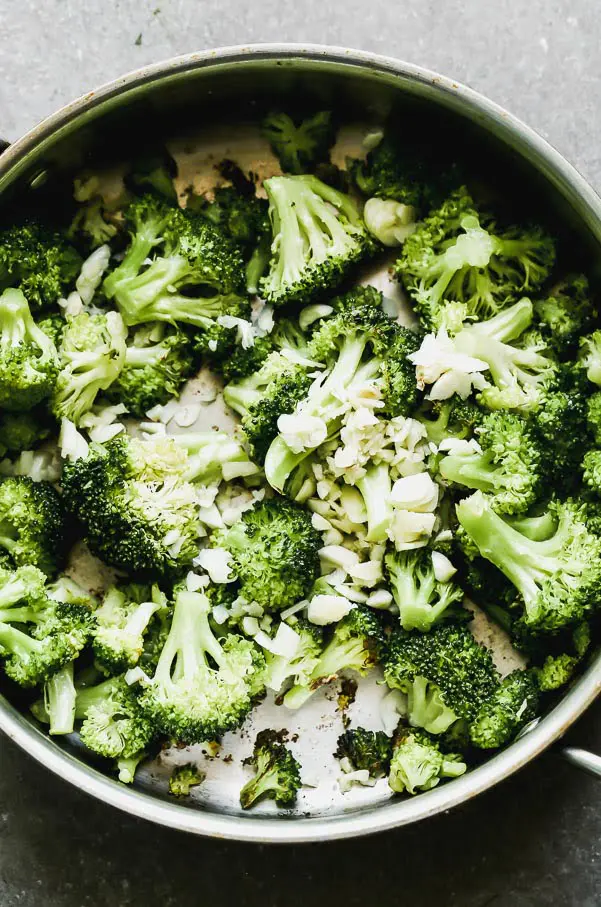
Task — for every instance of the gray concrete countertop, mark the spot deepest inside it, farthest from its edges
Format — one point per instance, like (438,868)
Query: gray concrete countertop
(533,841)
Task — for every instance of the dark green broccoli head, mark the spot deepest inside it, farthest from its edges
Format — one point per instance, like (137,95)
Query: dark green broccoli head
(32,523)
(300,144)
(28,357)
(114,725)
(454,418)
(457,254)
(241,214)
(406,173)
(566,314)
(158,360)
(202,686)
(318,235)
(277,772)
(509,465)
(39,261)
(184,778)
(556,576)
(445,673)
(417,763)
(513,704)
(243,362)
(401,393)
(281,395)
(273,550)
(154,172)
(137,511)
(92,354)
(593,416)
(561,424)
(23,431)
(365,750)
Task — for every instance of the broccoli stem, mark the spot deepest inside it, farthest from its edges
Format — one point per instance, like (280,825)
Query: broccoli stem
(376,487)
(473,470)
(59,700)
(337,656)
(144,239)
(189,642)
(18,643)
(18,327)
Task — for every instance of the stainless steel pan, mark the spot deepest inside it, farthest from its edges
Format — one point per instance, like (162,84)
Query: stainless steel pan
(194,92)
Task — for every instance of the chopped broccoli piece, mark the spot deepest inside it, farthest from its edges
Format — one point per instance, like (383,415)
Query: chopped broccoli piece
(38,635)
(277,772)
(297,667)
(418,764)
(114,725)
(202,686)
(195,275)
(184,778)
(154,172)
(38,261)
(356,644)
(561,423)
(512,705)
(157,363)
(318,234)
(590,356)
(299,146)
(509,466)
(365,751)
(401,392)
(92,354)
(457,254)
(59,701)
(273,550)
(521,374)
(566,314)
(422,600)
(445,674)
(454,418)
(137,511)
(593,416)
(557,577)
(23,431)
(122,621)
(32,523)
(28,357)
(213,456)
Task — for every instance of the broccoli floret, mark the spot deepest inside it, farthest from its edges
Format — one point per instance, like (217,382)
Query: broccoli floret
(365,751)
(137,511)
(59,701)
(127,766)
(591,470)
(422,600)
(418,764)
(38,261)
(184,778)
(297,667)
(356,644)
(561,423)
(114,725)
(509,466)
(273,549)
(91,224)
(556,670)
(401,392)
(512,705)
(154,172)
(92,354)
(351,345)
(277,772)
(28,357)
(557,577)
(32,523)
(566,314)
(318,234)
(521,375)
(404,172)
(445,674)
(457,254)
(300,145)
(23,431)
(213,456)
(202,686)
(454,418)
(122,621)
(157,363)
(590,356)
(593,416)
(195,276)
(38,635)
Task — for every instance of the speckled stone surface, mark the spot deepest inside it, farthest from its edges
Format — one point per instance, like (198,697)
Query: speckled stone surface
(536,839)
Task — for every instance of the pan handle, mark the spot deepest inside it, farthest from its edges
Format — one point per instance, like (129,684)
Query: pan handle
(582,759)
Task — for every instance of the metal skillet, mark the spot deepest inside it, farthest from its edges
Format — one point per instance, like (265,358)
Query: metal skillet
(214,94)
